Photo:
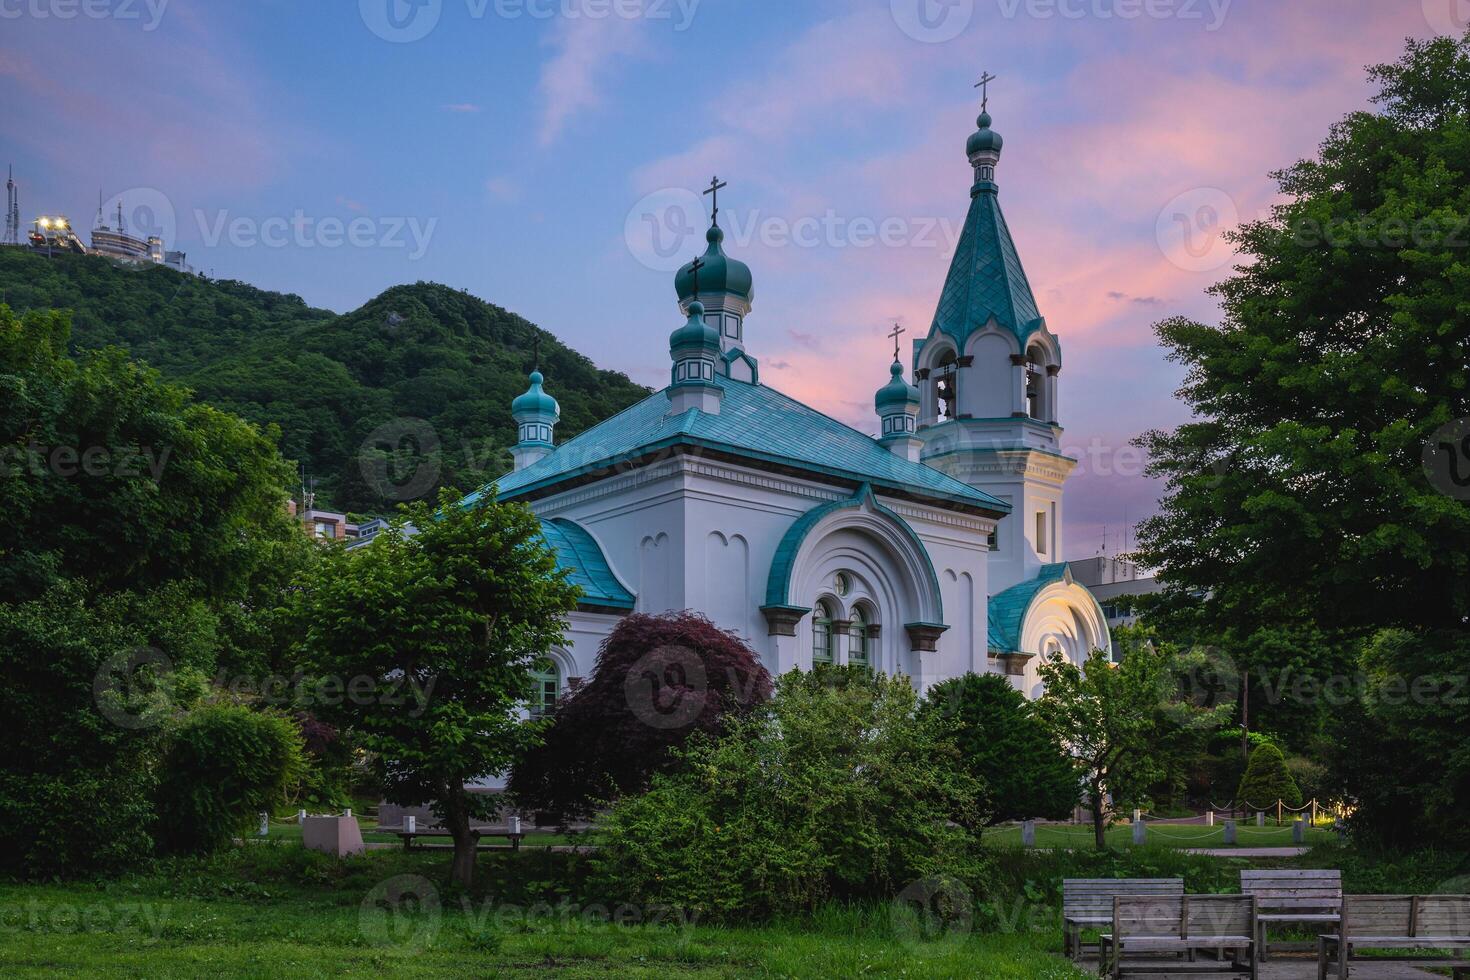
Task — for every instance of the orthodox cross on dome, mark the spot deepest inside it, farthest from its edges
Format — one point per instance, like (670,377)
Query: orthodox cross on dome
(984,86)
(715,186)
(694,268)
(897,332)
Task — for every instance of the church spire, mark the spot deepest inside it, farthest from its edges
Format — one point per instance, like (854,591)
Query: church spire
(536,414)
(723,286)
(897,404)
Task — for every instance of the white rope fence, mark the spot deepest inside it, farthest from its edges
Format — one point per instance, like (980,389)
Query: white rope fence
(1230,833)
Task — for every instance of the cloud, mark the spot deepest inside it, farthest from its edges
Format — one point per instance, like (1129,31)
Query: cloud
(572,80)
(1120,297)
(807,340)
(461,107)
(350,204)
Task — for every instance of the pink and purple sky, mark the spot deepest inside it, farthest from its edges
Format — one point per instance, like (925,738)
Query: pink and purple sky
(546,155)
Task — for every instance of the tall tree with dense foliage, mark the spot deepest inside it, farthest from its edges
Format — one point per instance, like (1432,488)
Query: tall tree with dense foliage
(1314,500)
(1267,781)
(1022,769)
(657,681)
(431,632)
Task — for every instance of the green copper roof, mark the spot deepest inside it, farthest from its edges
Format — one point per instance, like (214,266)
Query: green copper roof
(535,403)
(897,395)
(755,423)
(1007,610)
(986,279)
(778,585)
(578,553)
(984,139)
(719,274)
(695,334)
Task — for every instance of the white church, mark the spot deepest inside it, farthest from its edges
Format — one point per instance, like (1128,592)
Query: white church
(931,549)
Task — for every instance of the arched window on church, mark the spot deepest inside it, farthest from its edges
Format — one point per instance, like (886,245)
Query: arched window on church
(860,640)
(822,639)
(946,387)
(546,677)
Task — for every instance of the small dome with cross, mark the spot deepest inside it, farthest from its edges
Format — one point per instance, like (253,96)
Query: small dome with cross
(718,274)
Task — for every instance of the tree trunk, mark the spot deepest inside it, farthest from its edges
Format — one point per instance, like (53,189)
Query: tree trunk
(466,844)
(1099,827)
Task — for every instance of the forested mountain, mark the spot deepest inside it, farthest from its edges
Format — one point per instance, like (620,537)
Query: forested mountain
(350,393)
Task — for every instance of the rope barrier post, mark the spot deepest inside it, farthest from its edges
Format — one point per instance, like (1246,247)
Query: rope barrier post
(265,824)
(1137,814)
(1140,831)
(1230,832)
(301,818)
(1210,818)
(1260,818)
(1028,833)
(1314,811)
(1278,813)
(1298,831)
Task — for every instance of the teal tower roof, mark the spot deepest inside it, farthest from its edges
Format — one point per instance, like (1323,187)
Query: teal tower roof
(695,334)
(897,395)
(535,404)
(985,277)
(718,274)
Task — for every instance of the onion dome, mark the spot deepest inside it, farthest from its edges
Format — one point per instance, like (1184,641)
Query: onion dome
(694,336)
(535,403)
(897,395)
(984,139)
(718,274)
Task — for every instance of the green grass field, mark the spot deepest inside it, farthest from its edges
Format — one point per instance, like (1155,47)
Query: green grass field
(238,916)
(1160,835)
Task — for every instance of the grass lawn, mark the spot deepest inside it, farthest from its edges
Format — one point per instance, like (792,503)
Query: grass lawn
(1160,835)
(274,910)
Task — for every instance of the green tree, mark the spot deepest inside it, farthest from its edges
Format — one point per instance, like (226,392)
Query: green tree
(225,763)
(836,788)
(431,632)
(1316,500)
(1267,780)
(1006,747)
(1107,717)
(1300,518)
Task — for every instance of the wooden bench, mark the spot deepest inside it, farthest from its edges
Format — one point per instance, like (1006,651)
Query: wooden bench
(1087,903)
(1438,923)
(1311,898)
(409,837)
(1181,925)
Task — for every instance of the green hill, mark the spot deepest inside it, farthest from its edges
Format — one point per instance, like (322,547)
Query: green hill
(350,394)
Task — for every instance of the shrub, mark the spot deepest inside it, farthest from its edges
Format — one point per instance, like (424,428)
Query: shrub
(1000,741)
(1267,780)
(838,788)
(658,680)
(225,764)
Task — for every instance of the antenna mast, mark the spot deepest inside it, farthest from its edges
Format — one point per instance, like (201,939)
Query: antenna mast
(12,209)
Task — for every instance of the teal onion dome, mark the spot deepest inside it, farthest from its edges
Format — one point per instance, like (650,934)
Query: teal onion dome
(985,139)
(695,333)
(719,274)
(535,403)
(897,395)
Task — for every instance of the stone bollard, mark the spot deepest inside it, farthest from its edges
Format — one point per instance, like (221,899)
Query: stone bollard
(347,812)
(1230,831)
(1140,831)
(1260,818)
(1298,831)
(265,825)
(301,818)
(1137,814)
(337,836)
(410,823)
(1028,833)
(1210,819)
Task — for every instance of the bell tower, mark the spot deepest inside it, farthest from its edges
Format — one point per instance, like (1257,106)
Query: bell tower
(988,374)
